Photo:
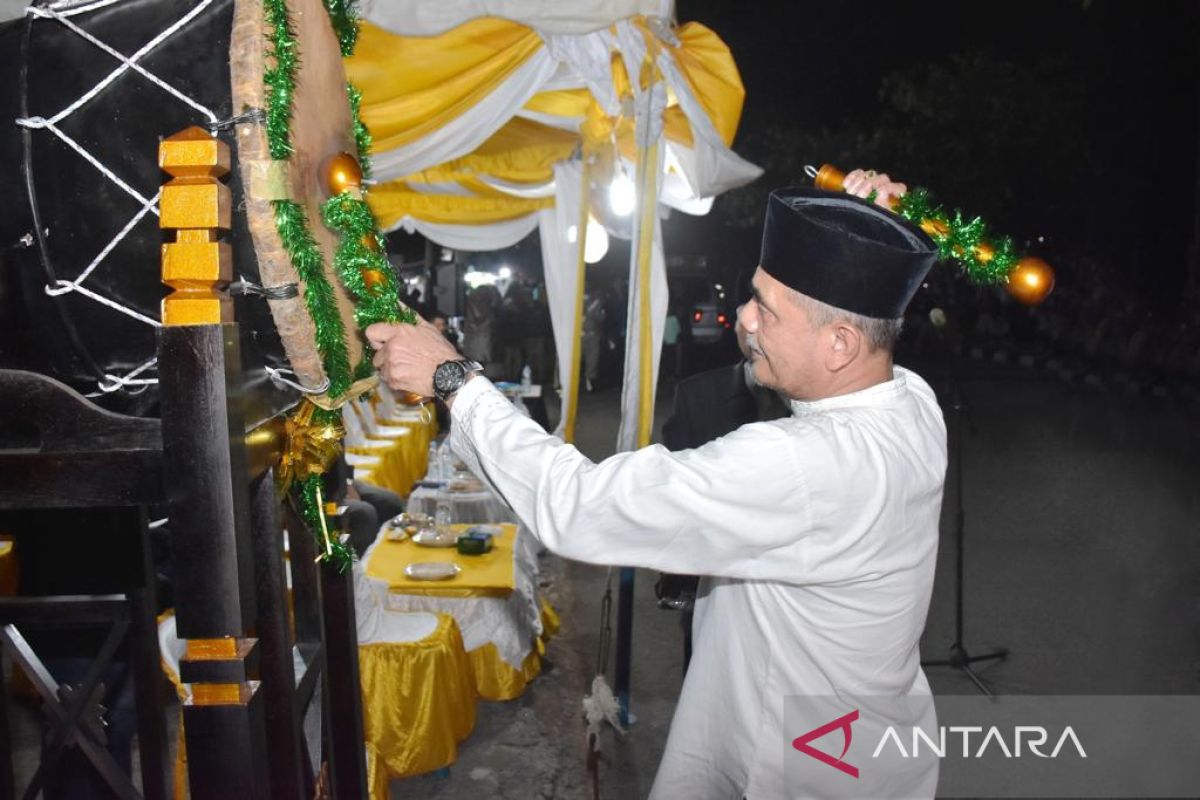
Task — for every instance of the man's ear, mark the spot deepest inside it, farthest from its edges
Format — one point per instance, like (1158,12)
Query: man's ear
(845,343)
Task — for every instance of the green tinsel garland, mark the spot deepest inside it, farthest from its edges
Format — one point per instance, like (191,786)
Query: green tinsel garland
(280,78)
(961,238)
(339,555)
(290,219)
(292,224)
(344,17)
(352,218)
(362,136)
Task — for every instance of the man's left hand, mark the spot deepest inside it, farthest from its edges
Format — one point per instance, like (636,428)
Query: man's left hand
(407,355)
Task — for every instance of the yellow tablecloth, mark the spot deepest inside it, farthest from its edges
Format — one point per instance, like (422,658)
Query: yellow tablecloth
(8,566)
(400,464)
(405,458)
(418,704)
(487,575)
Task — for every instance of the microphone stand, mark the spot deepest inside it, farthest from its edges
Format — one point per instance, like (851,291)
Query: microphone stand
(959,658)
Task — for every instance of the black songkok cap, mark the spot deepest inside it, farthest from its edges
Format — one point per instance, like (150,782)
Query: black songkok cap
(844,251)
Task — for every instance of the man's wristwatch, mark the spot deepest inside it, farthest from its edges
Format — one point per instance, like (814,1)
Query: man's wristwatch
(450,376)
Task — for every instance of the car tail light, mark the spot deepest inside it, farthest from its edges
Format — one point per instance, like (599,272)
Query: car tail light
(720,319)
(697,315)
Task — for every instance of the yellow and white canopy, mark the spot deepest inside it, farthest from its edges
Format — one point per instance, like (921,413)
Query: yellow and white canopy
(484,114)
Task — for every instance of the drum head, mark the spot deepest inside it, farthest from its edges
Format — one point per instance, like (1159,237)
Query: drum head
(80,288)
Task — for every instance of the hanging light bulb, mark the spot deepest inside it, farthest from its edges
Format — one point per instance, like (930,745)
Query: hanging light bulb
(622,194)
(596,244)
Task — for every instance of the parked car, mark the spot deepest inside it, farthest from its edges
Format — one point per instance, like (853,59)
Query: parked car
(703,304)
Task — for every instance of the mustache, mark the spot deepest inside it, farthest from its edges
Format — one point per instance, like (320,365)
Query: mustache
(752,344)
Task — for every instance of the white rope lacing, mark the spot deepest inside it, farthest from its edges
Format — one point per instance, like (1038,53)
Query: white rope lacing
(60,12)
(278,378)
(126,63)
(69,8)
(114,383)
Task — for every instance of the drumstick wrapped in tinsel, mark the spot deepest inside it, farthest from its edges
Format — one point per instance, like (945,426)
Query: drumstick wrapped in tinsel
(985,260)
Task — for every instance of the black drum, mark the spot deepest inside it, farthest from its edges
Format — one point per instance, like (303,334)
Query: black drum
(80,285)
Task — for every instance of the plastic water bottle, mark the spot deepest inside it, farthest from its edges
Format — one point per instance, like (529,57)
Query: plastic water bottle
(433,468)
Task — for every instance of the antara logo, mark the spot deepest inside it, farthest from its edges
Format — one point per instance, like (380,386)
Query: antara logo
(1030,738)
(842,722)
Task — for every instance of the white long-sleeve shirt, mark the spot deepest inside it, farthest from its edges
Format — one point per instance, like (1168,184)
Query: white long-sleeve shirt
(819,532)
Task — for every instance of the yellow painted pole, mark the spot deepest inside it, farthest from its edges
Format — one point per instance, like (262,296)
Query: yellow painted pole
(648,207)
(571,400)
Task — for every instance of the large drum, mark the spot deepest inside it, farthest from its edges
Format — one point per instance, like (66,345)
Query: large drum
(93,87)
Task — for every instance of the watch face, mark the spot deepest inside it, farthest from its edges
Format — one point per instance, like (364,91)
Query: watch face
(448,377)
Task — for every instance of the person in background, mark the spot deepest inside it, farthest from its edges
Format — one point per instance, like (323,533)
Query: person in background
(670,354)
(479,326)
(440,322)
(593,335)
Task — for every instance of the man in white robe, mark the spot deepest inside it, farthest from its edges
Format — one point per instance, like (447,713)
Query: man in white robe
(818,531)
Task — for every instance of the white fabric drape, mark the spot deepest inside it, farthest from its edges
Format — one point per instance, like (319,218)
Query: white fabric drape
(560,263)
(627,436)
(709,166)
(425,18)
(650,105)
(475,238)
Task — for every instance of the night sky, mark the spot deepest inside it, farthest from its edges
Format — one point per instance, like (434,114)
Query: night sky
(1068,125)
(1071,121)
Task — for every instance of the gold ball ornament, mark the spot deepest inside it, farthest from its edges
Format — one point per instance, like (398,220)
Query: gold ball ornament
(370,242)
(1031,281)
(373,279)
(342,173)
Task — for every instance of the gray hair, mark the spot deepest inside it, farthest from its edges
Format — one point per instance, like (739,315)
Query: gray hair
(881,334)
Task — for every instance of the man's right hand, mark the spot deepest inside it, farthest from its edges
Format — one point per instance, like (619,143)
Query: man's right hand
(861,183)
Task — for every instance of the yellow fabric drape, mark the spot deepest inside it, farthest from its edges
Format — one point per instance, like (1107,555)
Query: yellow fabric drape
(487,575)
(522,151)
(414,86)
(393,201)
(562,102)
(712,74)
(418,702)
(496,679)
(403,460)
(179,773)
(399,466)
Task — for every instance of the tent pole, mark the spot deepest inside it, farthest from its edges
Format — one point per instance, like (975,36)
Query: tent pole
(647,208)
(571,382)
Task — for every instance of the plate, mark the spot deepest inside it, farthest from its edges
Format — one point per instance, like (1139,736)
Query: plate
(410,519)
(431,570)
(432,537)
